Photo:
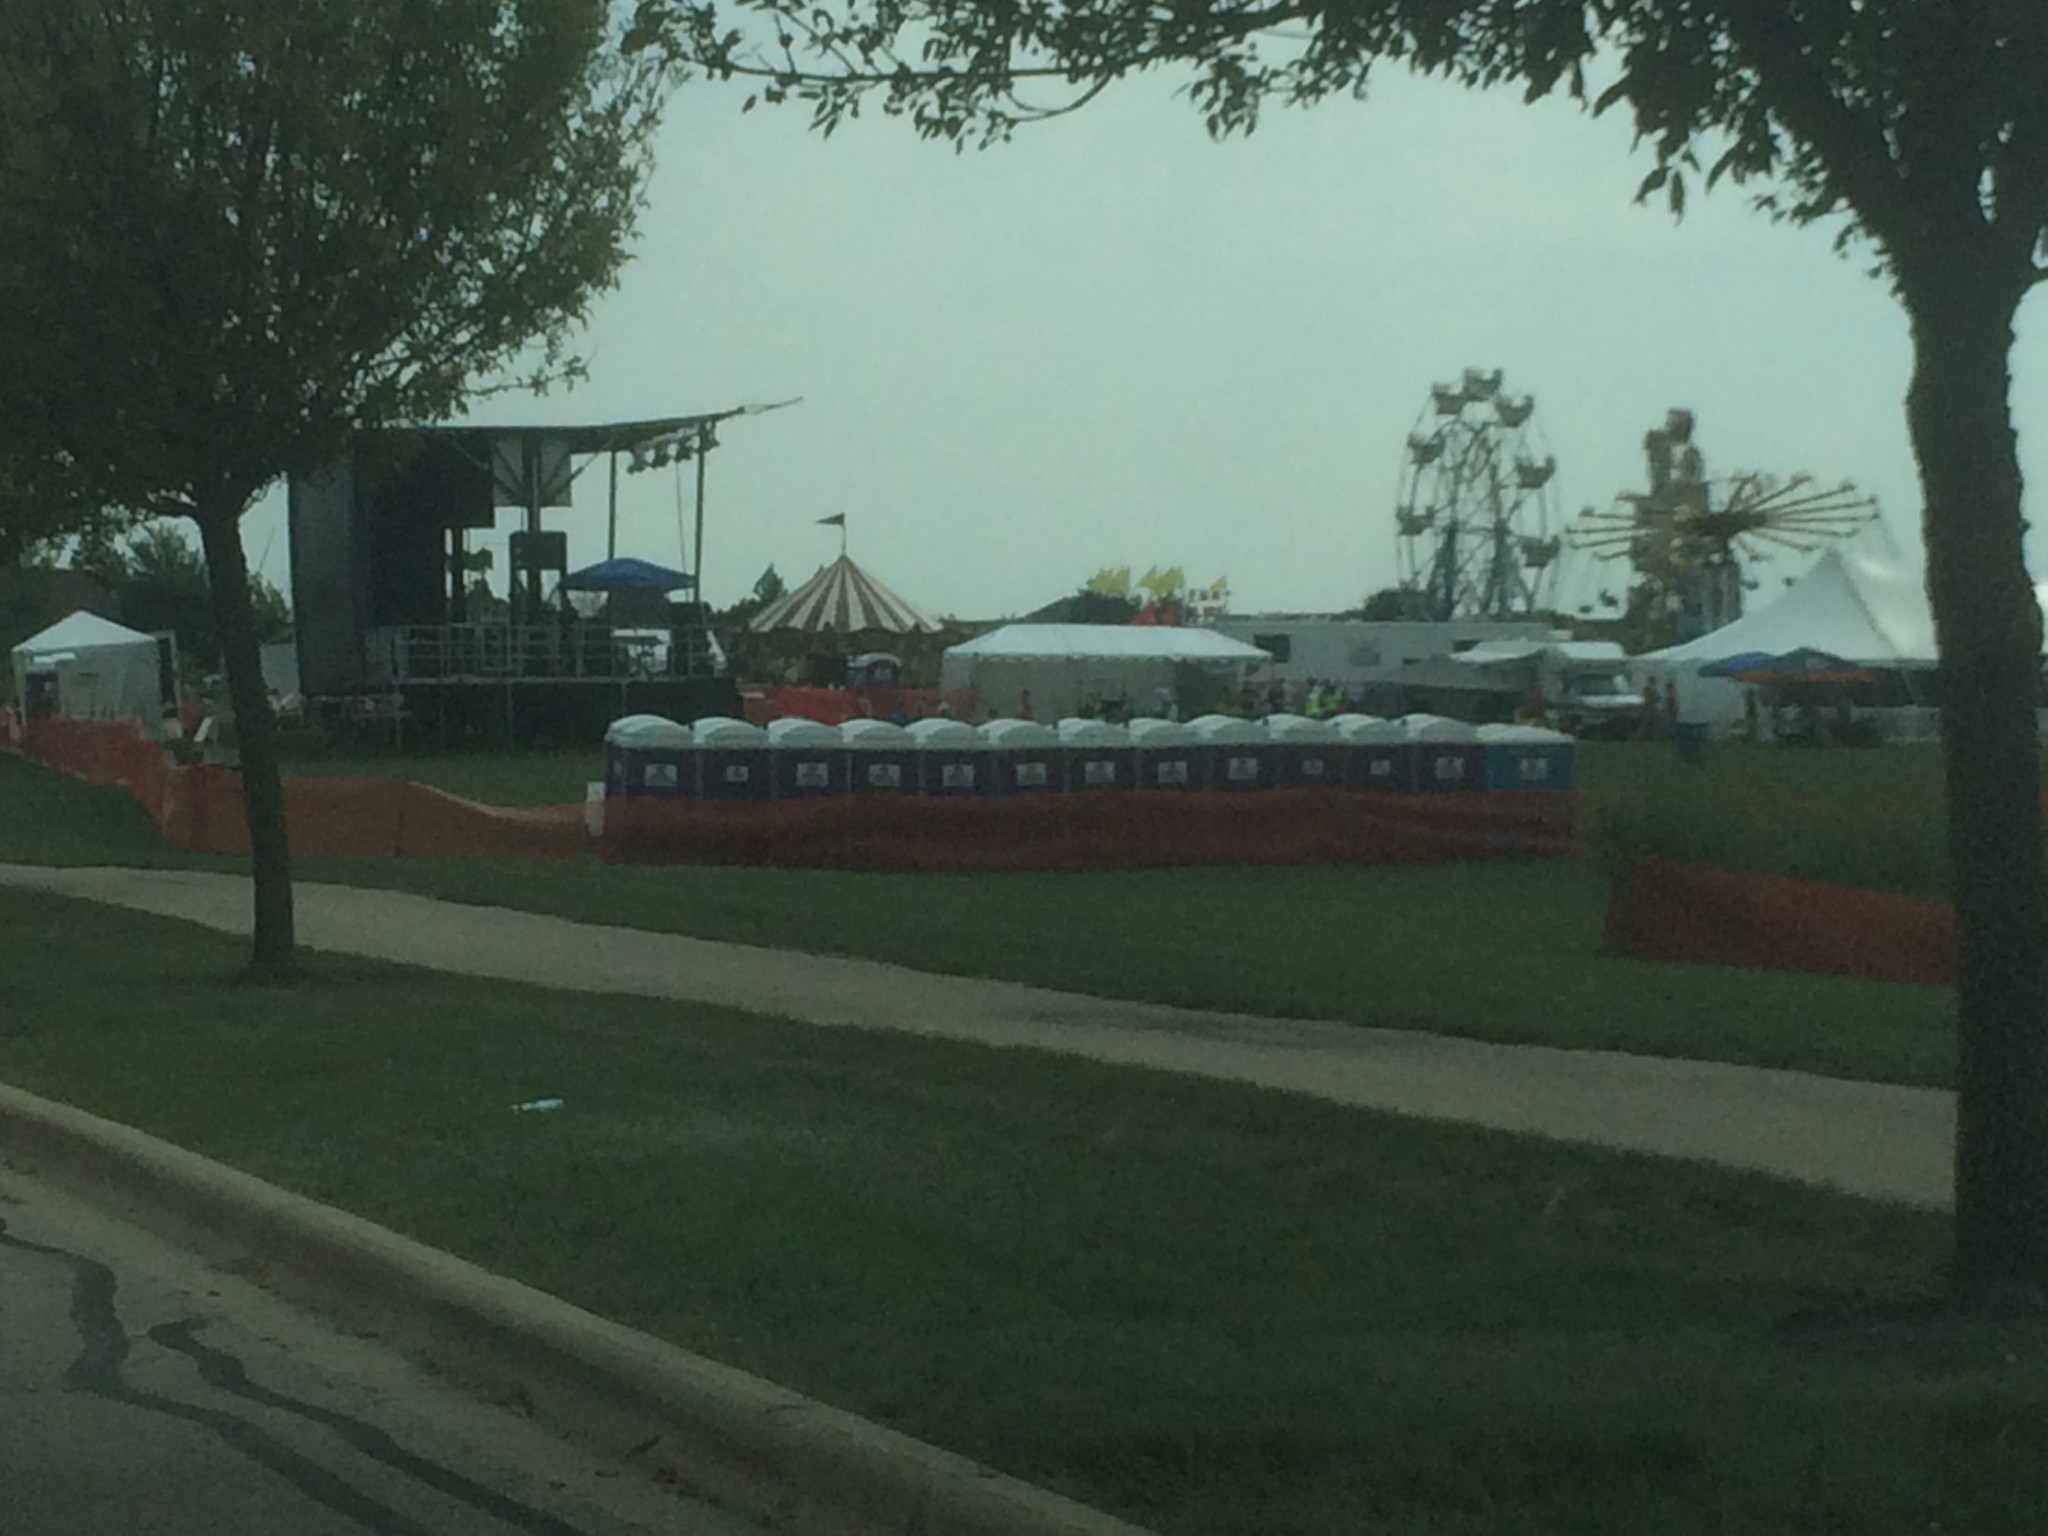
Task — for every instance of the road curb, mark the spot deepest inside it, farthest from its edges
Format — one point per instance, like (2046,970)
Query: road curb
(734,1439)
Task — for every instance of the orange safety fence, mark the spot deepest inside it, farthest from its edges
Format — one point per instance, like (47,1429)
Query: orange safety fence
(381,818)
(199,808)
(1663,909)
(1109,829)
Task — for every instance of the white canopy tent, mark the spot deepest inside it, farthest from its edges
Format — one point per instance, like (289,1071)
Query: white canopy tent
(1063,665)
(89,668)
(1861,603)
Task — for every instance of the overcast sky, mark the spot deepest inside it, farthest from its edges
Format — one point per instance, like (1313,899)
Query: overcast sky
(1114,341)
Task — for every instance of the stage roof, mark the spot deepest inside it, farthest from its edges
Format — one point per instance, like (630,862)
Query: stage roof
(603,437)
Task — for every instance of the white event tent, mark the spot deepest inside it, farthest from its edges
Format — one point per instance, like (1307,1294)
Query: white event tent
(90,668)
(1863,604)
(1062,665)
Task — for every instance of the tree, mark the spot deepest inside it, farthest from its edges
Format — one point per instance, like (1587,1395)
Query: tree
(1921,125)
(1089,605)
(1393,603)
(238,234)
(159,580)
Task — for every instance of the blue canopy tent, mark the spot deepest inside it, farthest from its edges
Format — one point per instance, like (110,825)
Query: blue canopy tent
(625,574)
(1807,665)
(1742,661)
(1802,665)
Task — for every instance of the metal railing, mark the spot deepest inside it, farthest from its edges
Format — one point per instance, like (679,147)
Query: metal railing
(489,653)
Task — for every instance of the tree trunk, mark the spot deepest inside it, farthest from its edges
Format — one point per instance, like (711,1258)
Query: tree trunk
(1990,638)
(227,571)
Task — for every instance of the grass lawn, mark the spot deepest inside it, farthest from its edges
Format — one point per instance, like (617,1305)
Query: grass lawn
(1499,951)
(1211,1309)
(1875,819)
(495,778)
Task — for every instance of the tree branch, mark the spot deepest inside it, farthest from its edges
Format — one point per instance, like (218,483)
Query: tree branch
(1861,168)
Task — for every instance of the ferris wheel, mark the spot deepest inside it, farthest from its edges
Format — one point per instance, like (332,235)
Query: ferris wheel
(1473,523)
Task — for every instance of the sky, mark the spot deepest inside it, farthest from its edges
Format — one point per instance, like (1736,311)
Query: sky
(1115,341)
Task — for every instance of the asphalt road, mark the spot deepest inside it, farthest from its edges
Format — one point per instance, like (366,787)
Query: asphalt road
(144,1393)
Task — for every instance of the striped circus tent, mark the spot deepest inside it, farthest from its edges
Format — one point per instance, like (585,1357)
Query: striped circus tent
(844,599)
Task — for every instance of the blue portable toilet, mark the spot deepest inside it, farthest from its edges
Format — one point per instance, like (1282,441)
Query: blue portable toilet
(1099,755)
(732,759)
(1027,758)
(953,758)
(1376,754)
(625,742)
(1169,757)
(805,759)
(1235,754)
(881,758)
(1526,757)
(649,755)
(1306,753)
(1448,755)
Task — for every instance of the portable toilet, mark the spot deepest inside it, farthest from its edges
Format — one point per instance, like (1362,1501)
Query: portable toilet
(805,758)
(1234,751)
(1098,755)
(1448,756)
(1376,754)
(1306,753)
(953,758)
(1169,757)
(1526,757)
(626,741)
(649,755)
(732,759)
(881,758)
(1027,757)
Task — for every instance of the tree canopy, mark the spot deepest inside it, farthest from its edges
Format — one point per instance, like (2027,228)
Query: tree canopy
(236,234)
(241,232)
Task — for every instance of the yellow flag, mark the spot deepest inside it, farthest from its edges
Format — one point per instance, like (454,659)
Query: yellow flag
(1161,584)
(1111,581)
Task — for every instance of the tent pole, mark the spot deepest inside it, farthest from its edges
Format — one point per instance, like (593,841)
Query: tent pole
(611,536)
(697,560)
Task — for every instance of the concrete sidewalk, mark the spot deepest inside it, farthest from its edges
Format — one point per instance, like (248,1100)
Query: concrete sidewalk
(1875,1140)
